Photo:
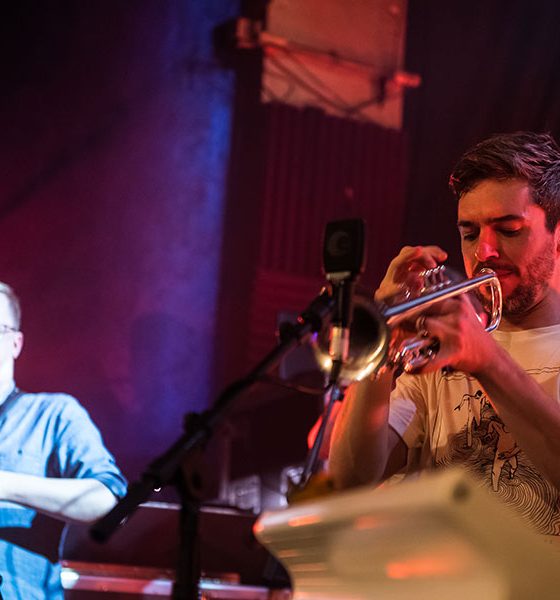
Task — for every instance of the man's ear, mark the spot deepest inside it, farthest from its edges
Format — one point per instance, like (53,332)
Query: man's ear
(17,344)
(557,237)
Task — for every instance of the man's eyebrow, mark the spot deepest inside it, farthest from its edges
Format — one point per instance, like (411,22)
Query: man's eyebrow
(493,221)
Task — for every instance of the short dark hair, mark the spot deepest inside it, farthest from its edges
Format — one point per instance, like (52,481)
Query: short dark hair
(534,157)
(13,303)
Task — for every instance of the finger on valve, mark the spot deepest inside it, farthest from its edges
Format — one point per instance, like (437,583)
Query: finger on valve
(405,275)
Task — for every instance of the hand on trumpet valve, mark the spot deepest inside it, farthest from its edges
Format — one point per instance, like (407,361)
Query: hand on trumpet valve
(448,334)
(405,275)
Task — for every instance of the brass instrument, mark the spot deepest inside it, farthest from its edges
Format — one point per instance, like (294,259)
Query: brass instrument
(371,349)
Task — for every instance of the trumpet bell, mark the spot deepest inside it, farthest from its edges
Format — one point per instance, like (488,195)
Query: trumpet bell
(369,342)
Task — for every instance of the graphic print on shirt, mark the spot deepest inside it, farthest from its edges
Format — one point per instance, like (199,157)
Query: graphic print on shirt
(486,447)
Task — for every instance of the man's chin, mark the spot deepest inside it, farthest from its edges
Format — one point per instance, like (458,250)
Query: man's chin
(520,302)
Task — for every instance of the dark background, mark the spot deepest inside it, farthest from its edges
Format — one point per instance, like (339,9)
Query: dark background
(155,218)
(487,67)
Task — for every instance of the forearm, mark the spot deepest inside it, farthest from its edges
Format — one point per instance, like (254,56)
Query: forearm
(75,500)
(359,447)
(529,413)
(364,449)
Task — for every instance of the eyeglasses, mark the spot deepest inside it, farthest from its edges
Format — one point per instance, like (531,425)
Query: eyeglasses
(7,329)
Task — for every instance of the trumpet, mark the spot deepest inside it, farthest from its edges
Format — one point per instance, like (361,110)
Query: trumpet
(371,350)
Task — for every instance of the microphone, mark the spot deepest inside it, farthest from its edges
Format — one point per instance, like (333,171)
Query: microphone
(343,263)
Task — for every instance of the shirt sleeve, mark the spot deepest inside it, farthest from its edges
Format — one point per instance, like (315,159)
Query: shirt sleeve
(79,450)
(407,415)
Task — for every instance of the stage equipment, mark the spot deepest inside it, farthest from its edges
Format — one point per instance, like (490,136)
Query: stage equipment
(370,348)
(441,536)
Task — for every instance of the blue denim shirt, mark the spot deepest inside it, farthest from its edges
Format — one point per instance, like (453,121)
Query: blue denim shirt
(48,435)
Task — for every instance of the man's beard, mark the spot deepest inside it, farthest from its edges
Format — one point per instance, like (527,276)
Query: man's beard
(539,273)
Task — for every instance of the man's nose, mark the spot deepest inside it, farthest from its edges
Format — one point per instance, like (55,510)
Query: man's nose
(486,249)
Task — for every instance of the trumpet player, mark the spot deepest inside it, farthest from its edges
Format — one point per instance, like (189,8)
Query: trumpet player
(508,205)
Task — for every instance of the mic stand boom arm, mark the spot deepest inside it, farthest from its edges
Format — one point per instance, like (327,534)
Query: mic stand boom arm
(198,429)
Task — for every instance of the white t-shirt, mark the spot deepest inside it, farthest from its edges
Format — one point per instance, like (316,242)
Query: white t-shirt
(446,419)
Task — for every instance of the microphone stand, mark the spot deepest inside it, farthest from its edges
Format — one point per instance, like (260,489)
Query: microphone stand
(343,292)
(334,394)
(198,428)
(343,261)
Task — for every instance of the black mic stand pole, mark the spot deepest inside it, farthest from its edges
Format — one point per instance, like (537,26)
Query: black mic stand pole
(333,394)
(198,428)
(343,292)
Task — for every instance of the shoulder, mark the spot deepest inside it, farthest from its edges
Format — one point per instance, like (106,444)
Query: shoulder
(50,400)
(58,406)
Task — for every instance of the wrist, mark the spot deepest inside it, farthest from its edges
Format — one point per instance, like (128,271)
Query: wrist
(8,485)
(489,360)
